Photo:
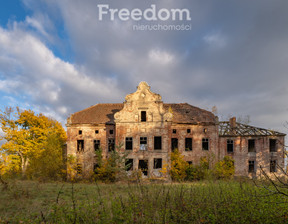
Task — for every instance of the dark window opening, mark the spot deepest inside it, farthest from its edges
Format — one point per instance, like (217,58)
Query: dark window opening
(251,167)
(80,145)
(174,144)
(96,131)
(143,143)
(129,143)
(251,145)
(190,163)
(205,144)
(96,145)
(188,144)
(143,116)
(79,168)
(111,144)
(157,163)
(111,132)
(143,166)
(157,143)
(129,164)
(230,146)
(272,145)
(80,132)
(273,166)
(188,131)
(95,168)
(174,131)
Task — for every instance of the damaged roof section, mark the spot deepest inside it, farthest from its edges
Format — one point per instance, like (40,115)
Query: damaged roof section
(183,113)
(227,129)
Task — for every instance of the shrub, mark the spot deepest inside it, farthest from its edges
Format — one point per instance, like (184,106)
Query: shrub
(224,169)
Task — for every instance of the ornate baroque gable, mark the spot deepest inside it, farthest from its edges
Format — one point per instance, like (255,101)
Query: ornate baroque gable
(143,100)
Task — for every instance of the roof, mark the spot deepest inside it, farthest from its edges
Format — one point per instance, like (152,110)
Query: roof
(104,114)
(225,130)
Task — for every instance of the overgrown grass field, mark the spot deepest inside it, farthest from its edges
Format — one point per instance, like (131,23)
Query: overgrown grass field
(199,202)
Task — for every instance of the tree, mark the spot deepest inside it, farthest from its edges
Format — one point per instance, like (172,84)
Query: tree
(178,166)
(31,139)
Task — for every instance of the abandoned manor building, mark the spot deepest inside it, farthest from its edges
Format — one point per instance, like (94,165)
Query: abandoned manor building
(148,130)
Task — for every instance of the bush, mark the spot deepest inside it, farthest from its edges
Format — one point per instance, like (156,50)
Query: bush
(225,169)
(178,166)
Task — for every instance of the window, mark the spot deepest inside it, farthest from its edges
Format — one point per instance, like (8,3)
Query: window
(205,144)
(273,166)
(111,144)
(80,145)
(174,144)
(96,145)
(272,145)
(251,166)
(129,164)
(79,168)
(95,168)
(230,146)
(157,163)
(111,132)
(188,144)
(157,143)
(188,131)
(129,143)
(80,132)
(190,163)
(143,116)
(143,166)
(96,131)
(251,145)
(174,131)
(143,143)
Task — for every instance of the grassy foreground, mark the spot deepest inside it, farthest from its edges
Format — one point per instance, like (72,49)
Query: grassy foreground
(200,202)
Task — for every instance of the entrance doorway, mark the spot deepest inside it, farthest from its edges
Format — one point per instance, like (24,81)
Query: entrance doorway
(143,166)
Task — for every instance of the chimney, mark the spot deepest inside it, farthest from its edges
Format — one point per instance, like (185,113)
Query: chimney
(233,123)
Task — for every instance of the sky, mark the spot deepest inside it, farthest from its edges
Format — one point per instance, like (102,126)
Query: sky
(57,57)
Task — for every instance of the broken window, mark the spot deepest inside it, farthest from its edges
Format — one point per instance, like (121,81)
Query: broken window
(205,144)
(80,145)
(157,143)
(80,132)
(96,131)
(251,145)
(157,163)
(188,144)
(95,168)
(188,131)
(129,164)
(143,143)
(111,144)
(174,144)
(174,131)
(273,164)
(143,116)
(251,166)
(230,146)
(111,132)
(143,166)
(96,145)
(129,143)
(79,168)
(272,145)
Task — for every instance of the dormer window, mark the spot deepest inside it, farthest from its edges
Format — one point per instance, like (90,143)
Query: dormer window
(143,116)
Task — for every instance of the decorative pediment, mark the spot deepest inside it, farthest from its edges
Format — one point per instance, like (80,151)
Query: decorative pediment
(143,100)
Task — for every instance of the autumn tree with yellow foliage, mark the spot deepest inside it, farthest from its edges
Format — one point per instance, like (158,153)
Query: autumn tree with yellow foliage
(33,144)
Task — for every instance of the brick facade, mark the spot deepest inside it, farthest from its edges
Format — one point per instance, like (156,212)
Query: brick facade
(148,130)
